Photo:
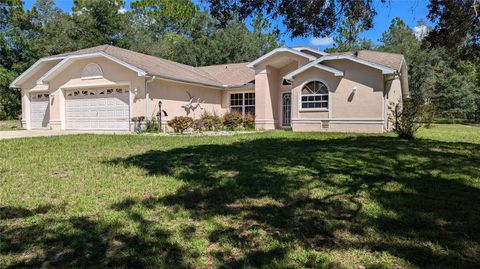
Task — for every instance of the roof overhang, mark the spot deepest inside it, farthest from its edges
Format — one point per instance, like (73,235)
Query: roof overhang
(70,59)
(31,70)
(334,71)
(319,52)
(278,50)
(316,64)
(385,70)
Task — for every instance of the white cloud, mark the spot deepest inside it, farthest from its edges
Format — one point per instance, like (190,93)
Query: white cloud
(122,10)
(321,41)
(420,31)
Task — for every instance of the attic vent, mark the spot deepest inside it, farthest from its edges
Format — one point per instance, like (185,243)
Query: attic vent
(92,70)
(325,124)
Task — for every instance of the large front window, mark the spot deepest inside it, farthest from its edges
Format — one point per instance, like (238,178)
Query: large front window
(243,103)
(315,95)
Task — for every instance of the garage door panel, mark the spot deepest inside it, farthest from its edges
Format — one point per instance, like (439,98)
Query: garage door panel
(39,110)
(104,109)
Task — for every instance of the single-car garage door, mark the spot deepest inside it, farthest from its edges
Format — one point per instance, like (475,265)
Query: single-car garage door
(97,109)
(39,115)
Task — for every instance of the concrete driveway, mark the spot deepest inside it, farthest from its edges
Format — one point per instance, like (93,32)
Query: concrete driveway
(40,133)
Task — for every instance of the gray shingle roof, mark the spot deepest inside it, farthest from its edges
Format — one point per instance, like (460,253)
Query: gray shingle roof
(231,75)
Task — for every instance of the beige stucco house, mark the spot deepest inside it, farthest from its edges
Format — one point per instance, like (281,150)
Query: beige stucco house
(104,87)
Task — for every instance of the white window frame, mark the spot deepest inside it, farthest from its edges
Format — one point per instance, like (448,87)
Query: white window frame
(300,105)
(243,102)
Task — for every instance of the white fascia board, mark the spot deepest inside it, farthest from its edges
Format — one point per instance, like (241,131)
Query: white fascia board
(334,71)
(292,74)
(27,73)
(385,70)
(68,60)
(310,49)
(275,51)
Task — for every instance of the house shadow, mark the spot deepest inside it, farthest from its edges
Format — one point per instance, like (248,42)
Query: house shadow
(311,193)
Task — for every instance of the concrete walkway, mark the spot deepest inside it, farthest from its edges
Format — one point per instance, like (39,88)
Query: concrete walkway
(41,133)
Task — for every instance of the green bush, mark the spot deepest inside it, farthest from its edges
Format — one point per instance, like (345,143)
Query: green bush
(152,125)
(180,123)
(249,122)
(232,120)
(211,121)
(198,125)
(406,117)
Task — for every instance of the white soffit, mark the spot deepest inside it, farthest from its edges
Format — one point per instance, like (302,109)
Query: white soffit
(31,69)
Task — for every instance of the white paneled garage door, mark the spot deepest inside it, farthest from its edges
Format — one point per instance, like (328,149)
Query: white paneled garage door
(39,115)
(97,109)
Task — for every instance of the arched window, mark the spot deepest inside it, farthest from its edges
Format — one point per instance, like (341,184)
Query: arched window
(315,95)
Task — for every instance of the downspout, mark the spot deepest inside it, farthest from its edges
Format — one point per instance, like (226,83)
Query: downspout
(147,98)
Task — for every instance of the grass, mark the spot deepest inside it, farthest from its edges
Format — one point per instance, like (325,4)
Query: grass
(272,200)
(10,125)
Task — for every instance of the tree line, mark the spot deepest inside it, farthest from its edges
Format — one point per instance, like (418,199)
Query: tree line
(443,63)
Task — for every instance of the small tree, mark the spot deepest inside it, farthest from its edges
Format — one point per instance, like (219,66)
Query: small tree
(180,123)
(406,117)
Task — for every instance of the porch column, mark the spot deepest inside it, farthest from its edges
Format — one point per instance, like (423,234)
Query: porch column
(265,104)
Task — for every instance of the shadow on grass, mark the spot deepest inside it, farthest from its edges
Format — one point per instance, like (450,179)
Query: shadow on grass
(268,198)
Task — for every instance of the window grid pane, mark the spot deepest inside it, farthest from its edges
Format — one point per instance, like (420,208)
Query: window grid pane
(314,95)
(243,103)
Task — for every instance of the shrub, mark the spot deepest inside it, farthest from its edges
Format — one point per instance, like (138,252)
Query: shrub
(232,120)
(198,125)
(249,122)
(428,114)
(180,123)
(211,121)
(152,125)
(406,116)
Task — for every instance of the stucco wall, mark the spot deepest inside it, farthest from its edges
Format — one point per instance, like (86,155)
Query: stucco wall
(174,95)
(355,97)
(71,76)
(394,96)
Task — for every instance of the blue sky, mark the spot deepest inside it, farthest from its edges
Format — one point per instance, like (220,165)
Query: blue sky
(410,11)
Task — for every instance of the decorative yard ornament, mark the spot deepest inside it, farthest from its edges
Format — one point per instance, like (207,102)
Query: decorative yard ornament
(192,104)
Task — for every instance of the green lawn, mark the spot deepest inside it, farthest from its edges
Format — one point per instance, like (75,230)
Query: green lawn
(10,125)
(273,199)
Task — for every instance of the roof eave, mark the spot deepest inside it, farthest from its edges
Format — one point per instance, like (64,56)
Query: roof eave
(283,49)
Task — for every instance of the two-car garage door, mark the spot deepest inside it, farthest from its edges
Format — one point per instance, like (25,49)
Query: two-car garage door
(97,109)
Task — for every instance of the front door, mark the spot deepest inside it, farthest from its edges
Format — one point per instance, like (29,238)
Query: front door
(286,109)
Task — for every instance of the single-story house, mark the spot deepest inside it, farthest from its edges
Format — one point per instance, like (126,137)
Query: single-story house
(303,89)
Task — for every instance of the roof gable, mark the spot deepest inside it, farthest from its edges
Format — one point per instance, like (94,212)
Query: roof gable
(282,49)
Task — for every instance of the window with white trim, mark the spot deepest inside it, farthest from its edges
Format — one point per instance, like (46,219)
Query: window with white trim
(314,95)
(243,103)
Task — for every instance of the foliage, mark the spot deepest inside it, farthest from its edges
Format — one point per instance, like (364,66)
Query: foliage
(199,125)
(301,18)
(435,75)
(348,39)
(263,200)
(249,122)
(232,120)
(180,123)
(457,27)
(152,125)
(211,122)
(406,118)
(427,115)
